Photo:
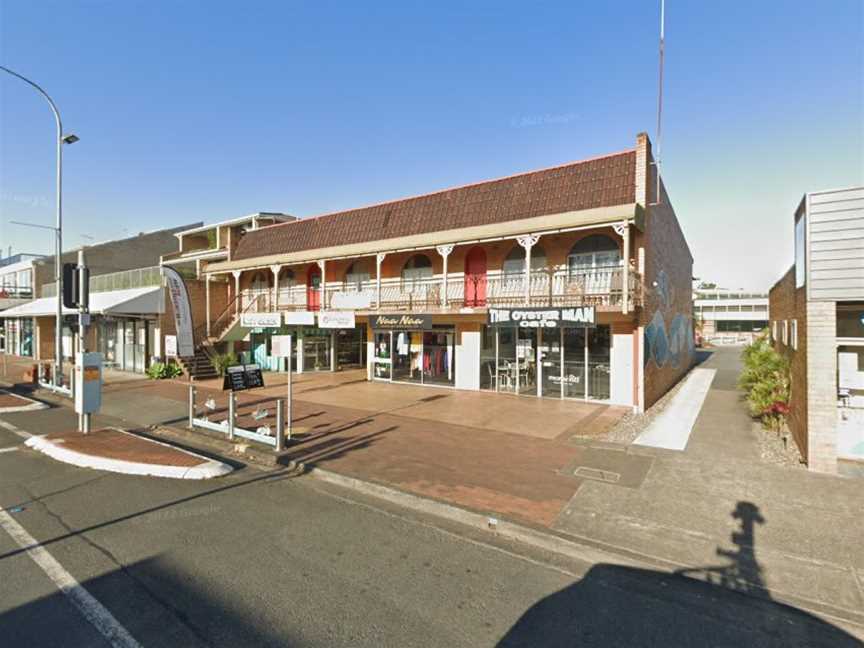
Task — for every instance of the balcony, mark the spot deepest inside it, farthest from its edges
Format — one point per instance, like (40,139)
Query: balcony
(553,287)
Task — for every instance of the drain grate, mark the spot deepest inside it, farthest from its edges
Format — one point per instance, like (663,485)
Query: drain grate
(599,475)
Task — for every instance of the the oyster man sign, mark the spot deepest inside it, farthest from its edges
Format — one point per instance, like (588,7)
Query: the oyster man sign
(542,317)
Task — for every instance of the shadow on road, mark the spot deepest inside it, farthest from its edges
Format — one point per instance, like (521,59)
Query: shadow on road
(155,602)
(624,606)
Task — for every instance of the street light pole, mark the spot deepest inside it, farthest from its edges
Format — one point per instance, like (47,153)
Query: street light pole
(57,377)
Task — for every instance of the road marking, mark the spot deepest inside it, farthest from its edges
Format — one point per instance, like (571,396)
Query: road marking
(15,430)
(12,449)
(89,607)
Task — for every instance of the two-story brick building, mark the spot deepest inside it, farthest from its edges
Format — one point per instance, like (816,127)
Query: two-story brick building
(567,282)
(127,302)
(817,321)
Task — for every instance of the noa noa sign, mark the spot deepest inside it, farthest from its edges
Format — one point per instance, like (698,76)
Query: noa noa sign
(542,317)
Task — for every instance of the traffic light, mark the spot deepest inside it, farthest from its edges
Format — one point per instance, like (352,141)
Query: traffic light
(76,286)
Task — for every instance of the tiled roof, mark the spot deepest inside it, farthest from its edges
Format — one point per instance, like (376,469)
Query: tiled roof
(599,182)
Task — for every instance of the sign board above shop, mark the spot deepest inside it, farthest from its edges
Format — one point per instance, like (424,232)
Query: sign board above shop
(336,320)
(300,318)
(402,321)
(261,320)
(542,317)
(351,300)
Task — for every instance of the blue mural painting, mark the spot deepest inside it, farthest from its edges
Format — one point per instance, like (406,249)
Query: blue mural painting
(672,345)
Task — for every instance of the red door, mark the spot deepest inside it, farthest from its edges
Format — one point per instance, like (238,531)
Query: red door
(475,278)
(313,288)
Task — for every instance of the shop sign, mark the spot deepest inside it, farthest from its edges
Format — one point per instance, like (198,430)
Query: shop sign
(261,320)
(280,346)
(336,319)
(300,318)
(170,346)
(542,317)
(351,300)
(182,311)
(402,321)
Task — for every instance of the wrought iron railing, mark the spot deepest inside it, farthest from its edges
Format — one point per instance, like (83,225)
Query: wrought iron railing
(547,287)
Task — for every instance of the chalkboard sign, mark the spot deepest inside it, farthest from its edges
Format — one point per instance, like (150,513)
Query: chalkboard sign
(254,378)
(241,377)
(235,378)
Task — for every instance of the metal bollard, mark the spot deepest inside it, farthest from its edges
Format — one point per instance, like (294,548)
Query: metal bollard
(231,411)
(279,424)
(191,406)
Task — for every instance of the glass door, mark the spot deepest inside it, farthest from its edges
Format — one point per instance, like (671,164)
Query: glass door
(316,353)
(549,363)
(599,368)
(408,356)
(382,360)
(129,345)
(526,361)
(140,346)
(507,359)
(574,352)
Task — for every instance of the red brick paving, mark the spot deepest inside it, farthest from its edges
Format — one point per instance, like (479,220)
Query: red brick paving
(526,478)
(113,444)
(10,400)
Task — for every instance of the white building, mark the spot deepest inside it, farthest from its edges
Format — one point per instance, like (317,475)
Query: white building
(724,316)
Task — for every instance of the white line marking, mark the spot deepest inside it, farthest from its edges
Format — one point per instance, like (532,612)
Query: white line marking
(21,433)
(89,607)
(12,449)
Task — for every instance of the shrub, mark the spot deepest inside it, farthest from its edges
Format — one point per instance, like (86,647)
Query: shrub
(765,381)
(161,370)
(221,361)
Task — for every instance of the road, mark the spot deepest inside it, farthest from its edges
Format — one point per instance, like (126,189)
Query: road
(267,558)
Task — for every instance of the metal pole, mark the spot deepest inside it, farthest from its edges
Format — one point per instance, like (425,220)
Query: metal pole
(231,409)
(84,297)
(58,324)
(289,408)
(191,405)
(279,425)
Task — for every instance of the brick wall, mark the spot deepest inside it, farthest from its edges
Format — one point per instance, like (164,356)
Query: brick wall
(821,354)
(813,370)
(198,304)
(667,314)
(784,304)
(142,251)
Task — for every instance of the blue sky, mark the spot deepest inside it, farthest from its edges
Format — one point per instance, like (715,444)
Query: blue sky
(193,111)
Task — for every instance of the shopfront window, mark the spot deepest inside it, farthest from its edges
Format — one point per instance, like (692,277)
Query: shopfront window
(382,360)
(438,355)
(351,347)
(568,362)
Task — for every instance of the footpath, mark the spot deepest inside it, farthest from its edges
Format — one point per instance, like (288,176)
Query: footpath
(714,511)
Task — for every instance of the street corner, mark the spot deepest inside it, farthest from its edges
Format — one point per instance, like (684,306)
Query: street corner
(119,451)
(10,402)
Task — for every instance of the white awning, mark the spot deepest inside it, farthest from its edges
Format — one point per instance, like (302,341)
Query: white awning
(133,301)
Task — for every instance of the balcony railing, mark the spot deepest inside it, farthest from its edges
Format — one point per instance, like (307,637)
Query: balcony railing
(17,292)
(548,287)
(137,278)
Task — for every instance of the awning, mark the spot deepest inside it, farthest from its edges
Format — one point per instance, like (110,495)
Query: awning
(134,301)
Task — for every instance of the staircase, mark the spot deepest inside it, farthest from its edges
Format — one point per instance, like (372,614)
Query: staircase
(199,366)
